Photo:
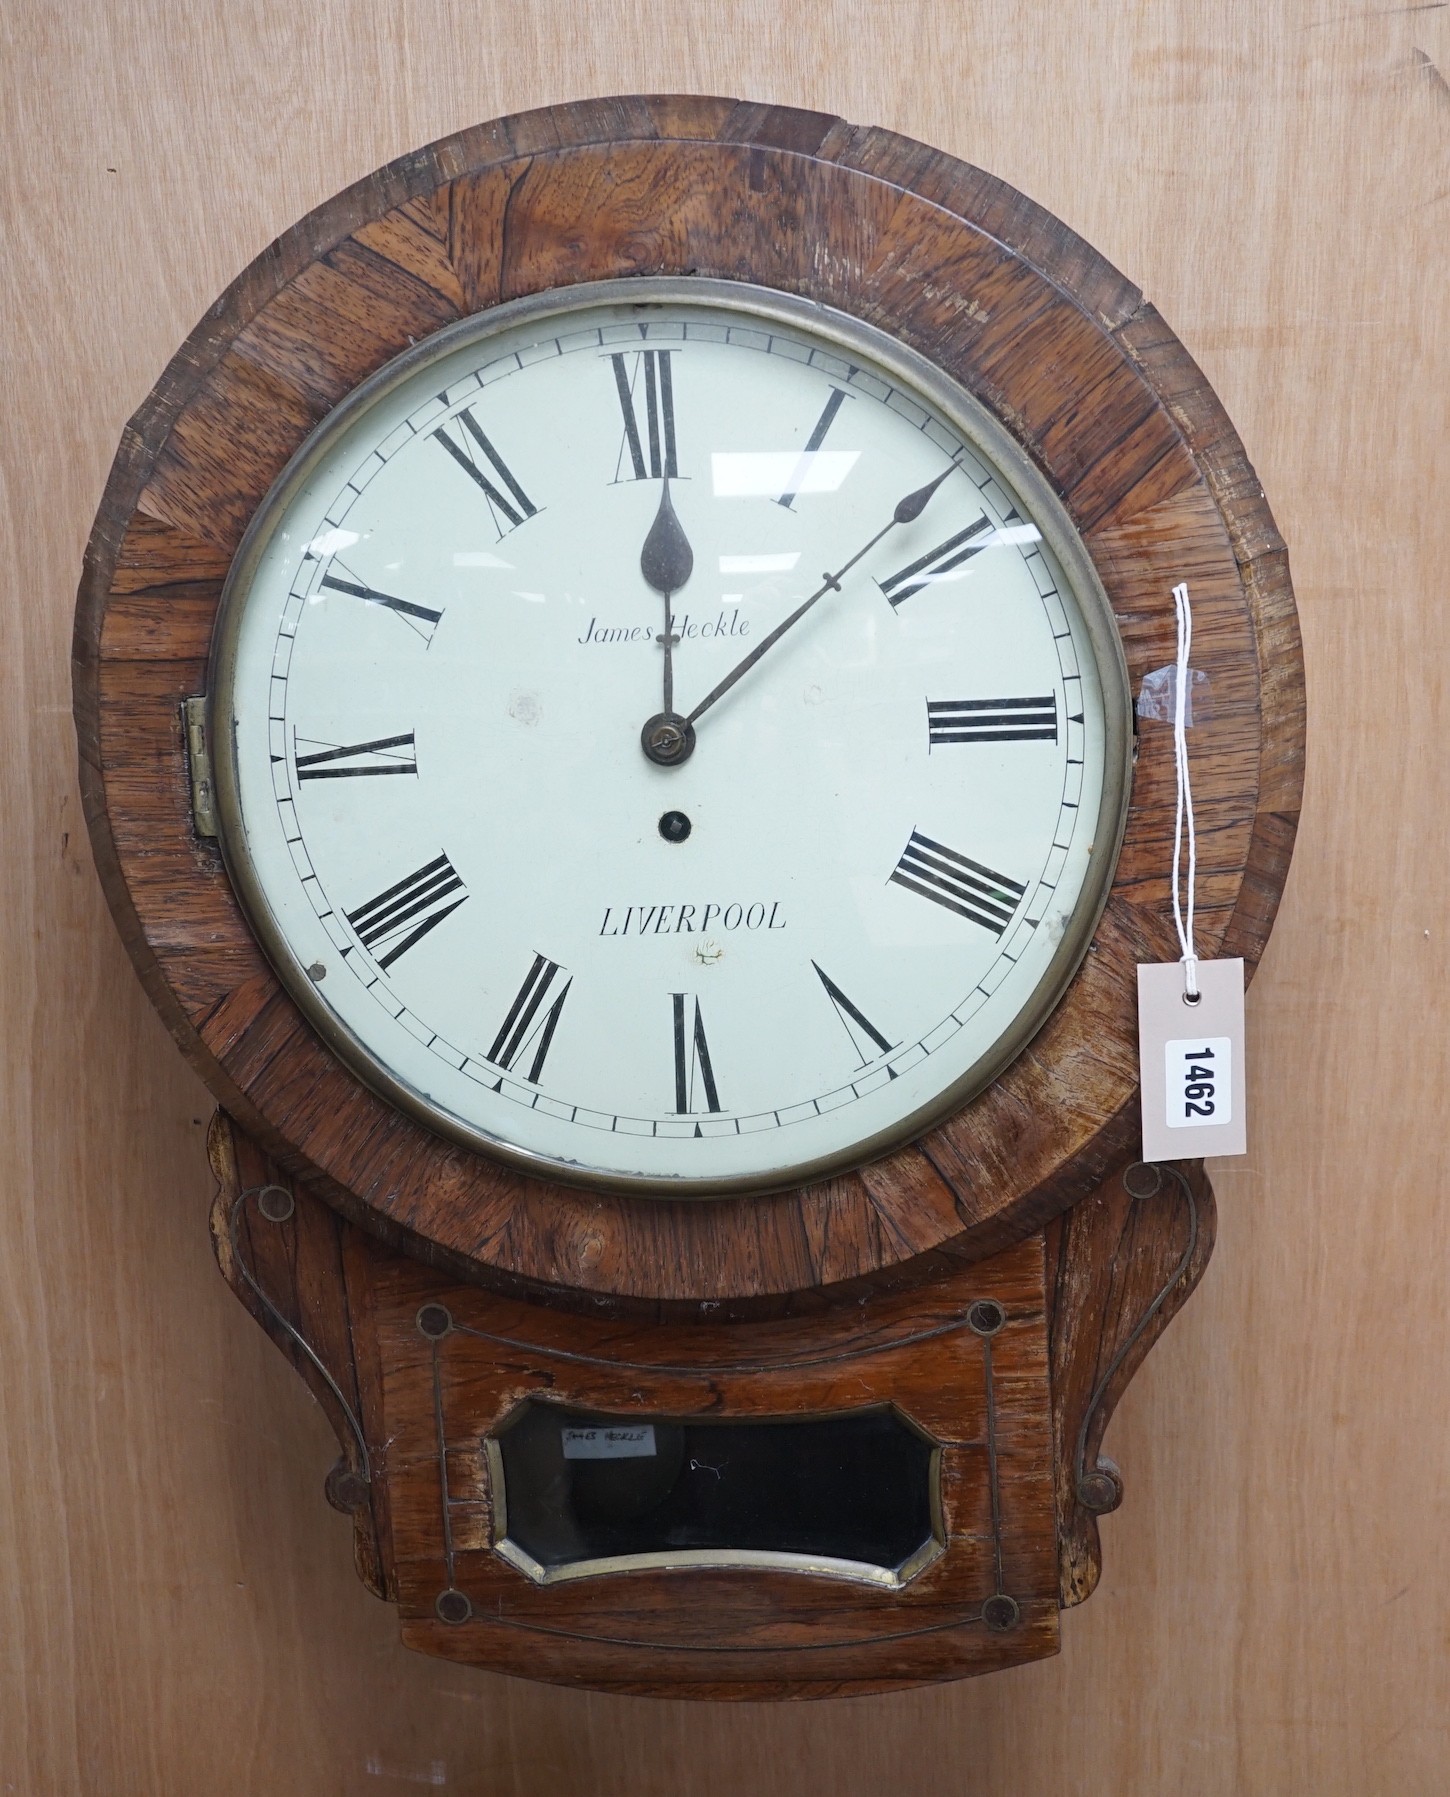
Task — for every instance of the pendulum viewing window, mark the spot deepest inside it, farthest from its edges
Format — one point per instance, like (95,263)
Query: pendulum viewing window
(854,1495)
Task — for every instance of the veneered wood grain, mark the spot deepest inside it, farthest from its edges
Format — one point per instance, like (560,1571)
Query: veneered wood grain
(295,1275)
(352,311)
(1074,264)
(227,446)
(618,188)
(1120,1266)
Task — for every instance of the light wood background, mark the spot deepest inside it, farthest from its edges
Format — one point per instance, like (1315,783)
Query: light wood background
(178,1612)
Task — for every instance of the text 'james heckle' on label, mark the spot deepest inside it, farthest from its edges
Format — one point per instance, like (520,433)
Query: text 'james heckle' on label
(636,1442)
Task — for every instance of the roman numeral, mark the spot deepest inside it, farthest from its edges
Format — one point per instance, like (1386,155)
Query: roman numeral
(964,886)
(524,1028)
(404,914)
(467,447)
(813,443)
(419,618)
(992,720)
(854,1021)
(383,755)
(652,383)
(692,1056)
(937,564)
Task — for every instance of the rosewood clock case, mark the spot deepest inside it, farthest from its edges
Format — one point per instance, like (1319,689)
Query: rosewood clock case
(990,1287)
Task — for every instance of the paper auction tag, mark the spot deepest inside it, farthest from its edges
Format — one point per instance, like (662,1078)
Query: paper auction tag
(1191,1061)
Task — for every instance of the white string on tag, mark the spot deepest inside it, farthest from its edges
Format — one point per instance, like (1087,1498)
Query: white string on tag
(1183,811)
(1192,1086)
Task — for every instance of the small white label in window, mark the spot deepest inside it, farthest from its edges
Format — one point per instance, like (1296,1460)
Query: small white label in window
(635,1441)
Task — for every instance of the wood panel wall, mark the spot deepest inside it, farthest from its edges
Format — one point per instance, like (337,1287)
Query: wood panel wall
(178,1611)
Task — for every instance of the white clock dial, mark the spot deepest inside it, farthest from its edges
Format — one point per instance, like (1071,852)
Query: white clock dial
(856,894)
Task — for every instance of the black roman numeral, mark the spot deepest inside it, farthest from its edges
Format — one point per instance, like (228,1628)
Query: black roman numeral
(692,1057)
(814,442)
(964,886)
(419,618)
(854,1021)
(524,1028)
(936,564)
(332,761)
(992,720)
(653,383)
(403,914)
(466,447)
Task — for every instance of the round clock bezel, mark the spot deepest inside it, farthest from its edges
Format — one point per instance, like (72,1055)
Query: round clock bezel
(965,416)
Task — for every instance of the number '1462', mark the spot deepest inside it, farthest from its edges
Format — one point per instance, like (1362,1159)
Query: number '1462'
(1199,1084)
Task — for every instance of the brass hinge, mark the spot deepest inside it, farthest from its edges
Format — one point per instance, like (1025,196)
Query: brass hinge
(203,804)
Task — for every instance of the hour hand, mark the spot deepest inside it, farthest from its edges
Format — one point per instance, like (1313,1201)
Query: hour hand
(667,561)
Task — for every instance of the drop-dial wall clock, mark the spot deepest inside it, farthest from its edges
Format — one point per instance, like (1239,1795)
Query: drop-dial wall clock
(605,679)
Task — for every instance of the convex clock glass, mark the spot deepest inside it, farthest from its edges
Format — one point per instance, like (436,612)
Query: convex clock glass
(667,734)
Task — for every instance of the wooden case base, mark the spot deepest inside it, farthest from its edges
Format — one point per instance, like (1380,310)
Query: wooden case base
(1011,1365)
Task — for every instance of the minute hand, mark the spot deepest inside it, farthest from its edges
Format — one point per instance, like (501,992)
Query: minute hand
(907,511)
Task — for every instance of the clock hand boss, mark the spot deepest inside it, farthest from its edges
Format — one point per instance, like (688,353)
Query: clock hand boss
(908,510)
(667,561)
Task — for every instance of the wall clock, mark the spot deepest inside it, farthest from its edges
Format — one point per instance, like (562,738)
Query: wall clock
(605,677)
